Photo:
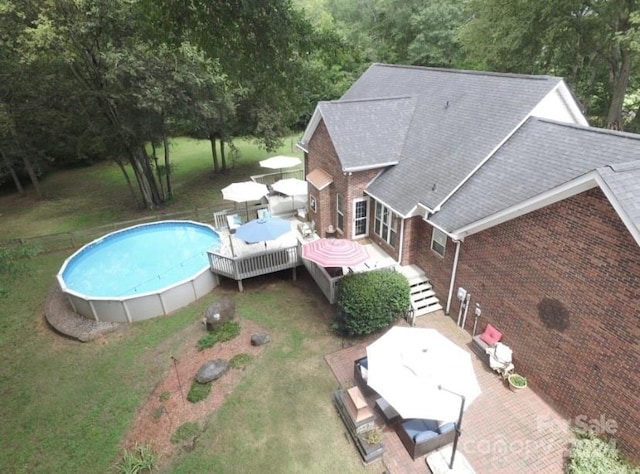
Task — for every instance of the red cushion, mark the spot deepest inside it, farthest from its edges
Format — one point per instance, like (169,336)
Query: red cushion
(491,335)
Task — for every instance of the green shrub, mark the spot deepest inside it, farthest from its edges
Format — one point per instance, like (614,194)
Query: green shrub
(138,460)
(370,301)
(198,392)
(222,333)
(240,361)
(593,455)
(227,331)
(205,342)
(185,432)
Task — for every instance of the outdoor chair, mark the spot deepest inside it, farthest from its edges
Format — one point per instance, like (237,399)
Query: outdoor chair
(420,437)
(233,221)
(481,342)
(220,220)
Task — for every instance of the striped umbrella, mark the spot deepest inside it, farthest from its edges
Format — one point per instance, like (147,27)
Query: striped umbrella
(335,252)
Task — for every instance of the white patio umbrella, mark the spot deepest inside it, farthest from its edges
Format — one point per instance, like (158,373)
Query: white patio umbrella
(416,370)
(245,191)
(291,187)
(280,161)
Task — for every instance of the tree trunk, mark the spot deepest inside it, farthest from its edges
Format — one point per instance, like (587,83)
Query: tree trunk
(144,176)
(32,175)
(214,152)
(154,155)
(619,83)
(223,157)
(14,176)
(134,196)
(167,166)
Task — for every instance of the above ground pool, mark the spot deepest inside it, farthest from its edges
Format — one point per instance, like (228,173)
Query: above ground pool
(140,272)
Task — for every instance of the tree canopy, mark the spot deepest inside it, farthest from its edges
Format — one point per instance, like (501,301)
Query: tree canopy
(89,80)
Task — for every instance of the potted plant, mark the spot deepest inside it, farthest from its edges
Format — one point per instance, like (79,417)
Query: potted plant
(517,382)
(370,444)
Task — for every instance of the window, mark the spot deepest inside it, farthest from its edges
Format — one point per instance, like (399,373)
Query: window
(312,203)
(340,212)
(386,224)
(438,241)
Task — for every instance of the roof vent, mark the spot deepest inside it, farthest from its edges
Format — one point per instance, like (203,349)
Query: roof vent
(433,188)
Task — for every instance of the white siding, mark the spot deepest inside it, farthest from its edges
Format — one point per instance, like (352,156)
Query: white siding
(559,105)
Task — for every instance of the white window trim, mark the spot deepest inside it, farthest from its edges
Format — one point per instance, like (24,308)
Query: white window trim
(440,238)
(312,203)
(339,212)
(387,223)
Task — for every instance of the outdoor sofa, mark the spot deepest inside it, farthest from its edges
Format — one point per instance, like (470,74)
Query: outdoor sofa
(360,369)
(420,437)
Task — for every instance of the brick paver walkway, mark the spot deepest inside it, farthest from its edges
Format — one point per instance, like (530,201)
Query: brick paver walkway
(503,431)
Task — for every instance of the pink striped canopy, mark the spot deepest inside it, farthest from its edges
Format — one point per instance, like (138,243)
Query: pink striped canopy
(335,252)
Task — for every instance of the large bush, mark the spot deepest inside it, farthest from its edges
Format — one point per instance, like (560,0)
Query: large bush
(370,301)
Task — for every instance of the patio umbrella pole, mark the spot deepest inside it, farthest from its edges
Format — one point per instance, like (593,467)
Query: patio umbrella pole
(458,424)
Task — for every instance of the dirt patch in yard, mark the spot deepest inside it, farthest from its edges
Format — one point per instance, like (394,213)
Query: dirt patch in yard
(167,408)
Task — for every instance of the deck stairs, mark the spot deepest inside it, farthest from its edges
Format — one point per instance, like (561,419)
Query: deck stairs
(423,298)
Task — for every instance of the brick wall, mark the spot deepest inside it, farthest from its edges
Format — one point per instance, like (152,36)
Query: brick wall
(322,154)
(563,285)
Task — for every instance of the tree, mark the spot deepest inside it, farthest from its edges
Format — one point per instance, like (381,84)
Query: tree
(261,48)
(413,32)
(589,42)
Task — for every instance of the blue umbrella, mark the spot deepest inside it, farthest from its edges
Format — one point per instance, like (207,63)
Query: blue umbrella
(259,230)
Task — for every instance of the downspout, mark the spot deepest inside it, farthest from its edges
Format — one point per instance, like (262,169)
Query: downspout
(453,276)
(401,249)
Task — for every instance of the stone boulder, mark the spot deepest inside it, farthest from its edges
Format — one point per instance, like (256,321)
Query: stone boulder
(219,313)
(212,370)
(260,339)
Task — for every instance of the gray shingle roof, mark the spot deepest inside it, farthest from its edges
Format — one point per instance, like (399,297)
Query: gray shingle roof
(624,181)
(449,134)
(368,133)
(540,156)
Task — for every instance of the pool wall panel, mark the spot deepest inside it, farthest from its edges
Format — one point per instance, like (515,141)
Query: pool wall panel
(144,306)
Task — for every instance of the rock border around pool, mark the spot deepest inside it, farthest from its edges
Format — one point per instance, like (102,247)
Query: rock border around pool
(63,319)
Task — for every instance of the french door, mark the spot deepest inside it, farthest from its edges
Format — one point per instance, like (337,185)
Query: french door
(360,217)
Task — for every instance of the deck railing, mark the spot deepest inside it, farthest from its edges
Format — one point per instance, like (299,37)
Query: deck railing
(270,178)
(256,264)
(328,284)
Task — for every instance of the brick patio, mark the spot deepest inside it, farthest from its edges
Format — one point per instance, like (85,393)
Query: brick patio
(503,431)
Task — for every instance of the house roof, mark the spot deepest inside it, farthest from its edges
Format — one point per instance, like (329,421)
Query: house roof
(623,180)
(368,133)
(542,162)
(449,135)
(319,178)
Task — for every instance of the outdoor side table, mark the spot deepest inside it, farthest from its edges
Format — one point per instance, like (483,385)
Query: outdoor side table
(389,414)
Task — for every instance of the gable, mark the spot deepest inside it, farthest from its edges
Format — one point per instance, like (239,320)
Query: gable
(368,133)
(542,163)
(460,118)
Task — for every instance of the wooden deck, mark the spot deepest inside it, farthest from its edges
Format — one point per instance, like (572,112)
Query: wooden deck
(238,260)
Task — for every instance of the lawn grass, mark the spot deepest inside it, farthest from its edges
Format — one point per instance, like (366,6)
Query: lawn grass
(280,418)
(66,406)
(97,195)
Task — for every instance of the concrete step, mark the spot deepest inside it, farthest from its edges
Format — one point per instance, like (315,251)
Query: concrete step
(422,296)
(427,310)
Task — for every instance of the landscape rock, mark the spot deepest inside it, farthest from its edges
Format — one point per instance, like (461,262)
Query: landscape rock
(260,339)
(212,370)
(219,313)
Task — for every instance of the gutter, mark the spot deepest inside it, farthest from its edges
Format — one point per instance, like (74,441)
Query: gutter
(453,276)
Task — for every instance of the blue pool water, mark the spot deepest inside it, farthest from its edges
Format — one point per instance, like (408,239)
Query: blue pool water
(141,259)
